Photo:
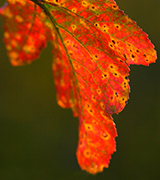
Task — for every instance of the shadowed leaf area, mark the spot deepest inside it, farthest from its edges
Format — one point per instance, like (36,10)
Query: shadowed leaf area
(93,45)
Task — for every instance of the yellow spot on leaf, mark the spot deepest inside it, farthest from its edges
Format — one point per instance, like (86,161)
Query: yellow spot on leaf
(117,26)
(102,105)
(70,53)
(84,23)
(87,153)
(92,7)
(13,55)
(99,91)
(104,28)
(85,3)
(12,1)
(111,45)
(95,57)
(67,42)
(93,98)
(14,43)
(61,102)
(89,108)
(76,66)
(74,27)
(94,122)
(42,14)
(19,18)
(74,10)
(17,36)
(6,35)
(29,49)
(104,76)
(114,6)
(97,25)
(8,47)
(116,74)
(15,1)
(7,13)
(89,127)
(103,114)
(112,67)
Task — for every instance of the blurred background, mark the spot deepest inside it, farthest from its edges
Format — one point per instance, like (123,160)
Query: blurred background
(38,139)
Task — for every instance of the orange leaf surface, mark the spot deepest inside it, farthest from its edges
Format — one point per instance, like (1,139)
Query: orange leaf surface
(26,31)
(93,45)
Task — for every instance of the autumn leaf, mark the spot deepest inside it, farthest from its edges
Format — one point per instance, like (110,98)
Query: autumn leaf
(93,45)
(26,31)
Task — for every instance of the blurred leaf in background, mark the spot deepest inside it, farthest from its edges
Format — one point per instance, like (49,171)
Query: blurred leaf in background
(38,139)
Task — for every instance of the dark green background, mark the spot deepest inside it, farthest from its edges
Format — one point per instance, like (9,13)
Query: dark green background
(38,139)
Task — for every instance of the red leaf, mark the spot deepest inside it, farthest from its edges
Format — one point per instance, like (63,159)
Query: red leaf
(26,31)
(93,44)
